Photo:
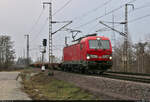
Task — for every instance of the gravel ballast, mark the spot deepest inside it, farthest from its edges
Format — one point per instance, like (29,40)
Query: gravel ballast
(107,88)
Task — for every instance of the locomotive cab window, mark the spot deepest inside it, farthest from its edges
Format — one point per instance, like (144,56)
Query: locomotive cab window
(99,44)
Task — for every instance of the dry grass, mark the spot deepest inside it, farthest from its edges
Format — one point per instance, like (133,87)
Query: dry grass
(44,87)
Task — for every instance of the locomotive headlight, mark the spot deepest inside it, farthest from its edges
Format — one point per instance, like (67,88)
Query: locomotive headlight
(98,38)
(110,57)
(107,56)
(91,56)
(88,57)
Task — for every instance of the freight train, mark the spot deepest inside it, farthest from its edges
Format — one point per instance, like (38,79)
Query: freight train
(91,53)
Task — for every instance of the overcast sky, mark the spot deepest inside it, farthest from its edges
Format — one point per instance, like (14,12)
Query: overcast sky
(20,17)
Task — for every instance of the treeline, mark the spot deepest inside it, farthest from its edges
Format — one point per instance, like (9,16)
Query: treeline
(23,61)
(138,57)
(7,52)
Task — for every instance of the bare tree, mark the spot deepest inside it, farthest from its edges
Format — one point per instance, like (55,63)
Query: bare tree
(118,57)
(7,52)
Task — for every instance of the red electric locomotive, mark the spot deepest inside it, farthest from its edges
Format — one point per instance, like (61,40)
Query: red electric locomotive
(91,53)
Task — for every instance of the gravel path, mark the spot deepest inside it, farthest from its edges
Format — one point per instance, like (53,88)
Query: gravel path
(10,87)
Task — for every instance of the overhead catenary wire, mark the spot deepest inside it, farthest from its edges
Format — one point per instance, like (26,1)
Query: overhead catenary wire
(136,19)
(42,28)
(93,10)
(62,7)
(139,18)
(137,8)
(113,22)
(106,29)
(90,30)
(133,20)
(36,22)
(97,18)
(141,7)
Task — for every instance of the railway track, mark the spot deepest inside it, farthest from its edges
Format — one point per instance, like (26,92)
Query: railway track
(134,78)
(121,76)
(129,73)
(146,76)
(128,77)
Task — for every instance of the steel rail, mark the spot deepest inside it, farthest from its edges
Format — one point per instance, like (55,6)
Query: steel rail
(129,73)
(130,78)
(127,78)
(119,77)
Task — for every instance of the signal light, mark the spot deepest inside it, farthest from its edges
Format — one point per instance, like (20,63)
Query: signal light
(44,42)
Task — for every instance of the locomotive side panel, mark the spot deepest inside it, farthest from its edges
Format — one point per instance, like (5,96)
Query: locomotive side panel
(83,51)
(72,53)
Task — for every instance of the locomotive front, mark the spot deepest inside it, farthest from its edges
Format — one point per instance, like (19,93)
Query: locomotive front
(98,53)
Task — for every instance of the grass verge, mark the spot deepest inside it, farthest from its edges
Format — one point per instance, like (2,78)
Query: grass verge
(44,87)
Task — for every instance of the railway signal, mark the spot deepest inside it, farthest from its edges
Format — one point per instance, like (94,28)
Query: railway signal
(44,42)
(43,53)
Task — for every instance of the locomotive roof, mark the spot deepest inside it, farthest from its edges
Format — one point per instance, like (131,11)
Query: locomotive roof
(94,38)
(89,38)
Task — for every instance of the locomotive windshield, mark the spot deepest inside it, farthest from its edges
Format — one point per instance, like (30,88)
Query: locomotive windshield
(99,44)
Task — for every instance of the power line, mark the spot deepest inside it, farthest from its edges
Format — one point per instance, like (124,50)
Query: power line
(141,7)
(136,19)
(36,22)
(106,29)
(62,7)
(93,10)
(113,22)
(104,14)
(133,20)
(90,30)
(42,28)
(136,9)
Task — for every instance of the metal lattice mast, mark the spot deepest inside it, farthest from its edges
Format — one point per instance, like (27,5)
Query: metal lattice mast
(126,38)
(50,53)
(125,51)
(114,39)
(50,34)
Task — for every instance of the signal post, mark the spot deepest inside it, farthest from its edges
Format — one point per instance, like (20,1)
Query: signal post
(43,52)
